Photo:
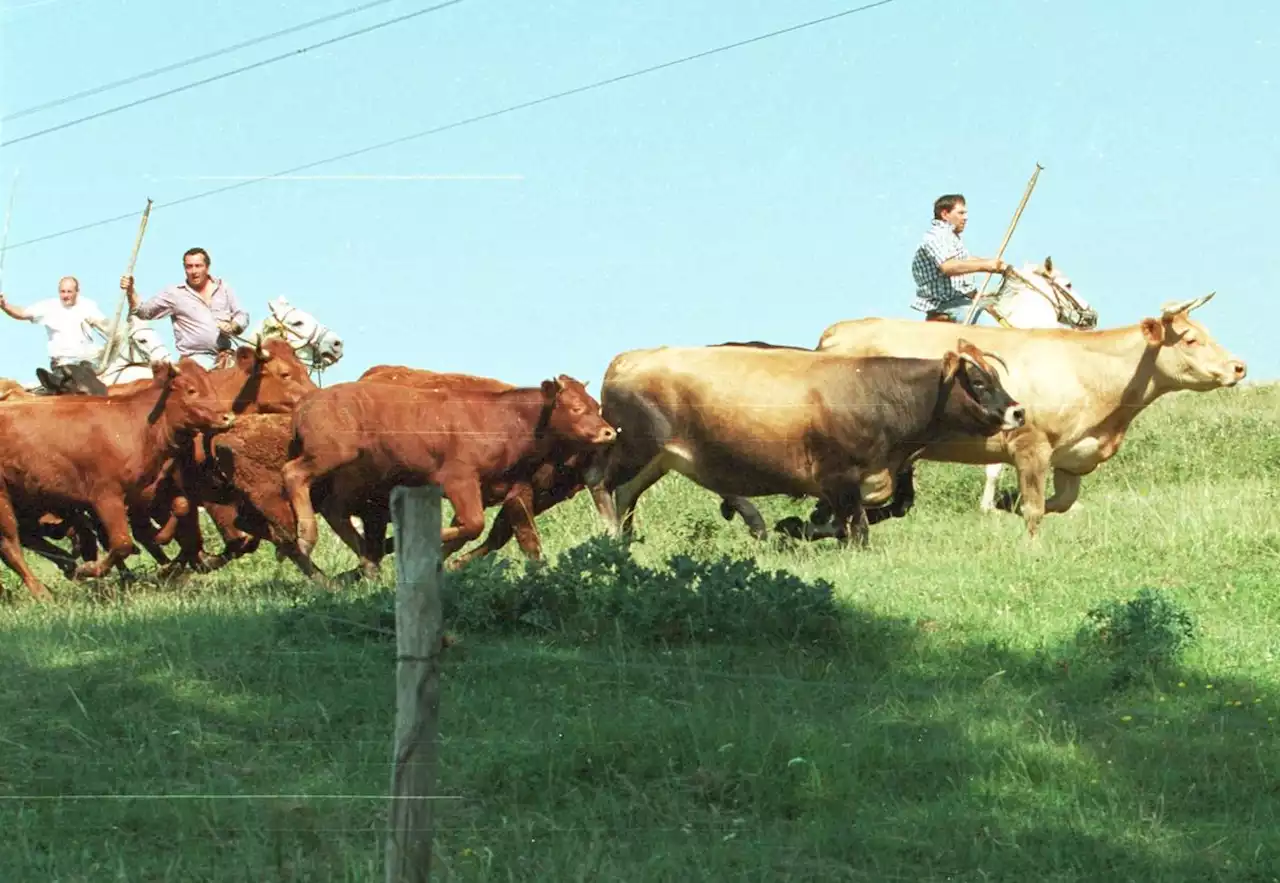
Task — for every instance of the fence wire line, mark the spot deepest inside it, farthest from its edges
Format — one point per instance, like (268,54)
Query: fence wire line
(242,69)
(180,796)
(462,122)
(187,62)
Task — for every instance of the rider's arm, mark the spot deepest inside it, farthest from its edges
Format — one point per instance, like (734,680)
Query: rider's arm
(15,312)
(239,318)
(158,307)
(961,266)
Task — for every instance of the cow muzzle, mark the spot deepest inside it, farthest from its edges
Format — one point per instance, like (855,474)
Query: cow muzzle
(1015,417)
(228,420)
(606,436)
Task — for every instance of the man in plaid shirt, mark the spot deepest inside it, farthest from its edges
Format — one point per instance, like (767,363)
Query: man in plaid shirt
(941,267)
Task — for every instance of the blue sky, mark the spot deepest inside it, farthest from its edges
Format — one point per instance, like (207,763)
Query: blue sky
(760,193)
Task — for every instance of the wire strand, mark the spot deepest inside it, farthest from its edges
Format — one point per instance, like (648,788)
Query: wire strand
(97,90)
(222,76)
(457,123)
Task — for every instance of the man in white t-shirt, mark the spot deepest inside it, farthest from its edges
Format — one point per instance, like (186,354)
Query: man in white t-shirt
(67,319)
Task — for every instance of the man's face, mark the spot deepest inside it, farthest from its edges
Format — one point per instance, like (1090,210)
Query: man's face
(67,292)
(957,217)
(197,270)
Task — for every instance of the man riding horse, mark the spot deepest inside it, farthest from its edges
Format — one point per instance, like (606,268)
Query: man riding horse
(942,265)
(68,319)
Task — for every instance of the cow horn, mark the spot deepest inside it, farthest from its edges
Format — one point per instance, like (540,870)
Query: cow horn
(1171,308)
(996,358)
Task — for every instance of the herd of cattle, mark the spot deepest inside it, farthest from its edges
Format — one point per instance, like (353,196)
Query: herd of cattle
(260,448)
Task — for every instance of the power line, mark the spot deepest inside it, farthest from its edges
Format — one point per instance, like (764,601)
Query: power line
(96,90)
(459,123)
(222,76)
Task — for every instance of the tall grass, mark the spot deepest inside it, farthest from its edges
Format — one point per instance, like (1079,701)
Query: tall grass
(952,712)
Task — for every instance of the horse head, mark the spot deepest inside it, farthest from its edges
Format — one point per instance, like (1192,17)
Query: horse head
(317,345)
(1042,296)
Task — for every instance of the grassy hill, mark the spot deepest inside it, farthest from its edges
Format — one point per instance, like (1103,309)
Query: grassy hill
(950,711)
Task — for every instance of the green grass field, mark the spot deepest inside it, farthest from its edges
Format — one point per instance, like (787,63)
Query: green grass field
(944,723)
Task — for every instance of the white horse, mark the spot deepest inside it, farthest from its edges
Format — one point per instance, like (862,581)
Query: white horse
(317,345)
(1034,297)
(140,350)
(141,347)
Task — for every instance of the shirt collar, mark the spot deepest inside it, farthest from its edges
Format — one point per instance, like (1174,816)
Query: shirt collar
(938,223)
(217,283)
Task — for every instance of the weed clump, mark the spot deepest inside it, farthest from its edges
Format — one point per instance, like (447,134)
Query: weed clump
(1137,637)
(598,590)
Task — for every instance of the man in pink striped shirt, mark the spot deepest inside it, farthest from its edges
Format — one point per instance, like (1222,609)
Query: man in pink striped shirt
(204,309)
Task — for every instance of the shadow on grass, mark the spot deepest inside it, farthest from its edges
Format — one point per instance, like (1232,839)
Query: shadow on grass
(896,750)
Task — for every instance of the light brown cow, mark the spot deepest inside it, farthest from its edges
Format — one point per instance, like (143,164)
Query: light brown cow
(747,421)
(1081,389)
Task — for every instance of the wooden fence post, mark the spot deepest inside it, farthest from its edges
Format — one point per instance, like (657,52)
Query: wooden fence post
(415,512)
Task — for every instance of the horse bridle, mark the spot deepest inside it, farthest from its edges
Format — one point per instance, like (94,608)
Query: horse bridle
(308,343)
(1068,309)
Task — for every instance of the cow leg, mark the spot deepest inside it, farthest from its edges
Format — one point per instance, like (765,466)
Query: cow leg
(11,549)
(516,518)
(608,512)
(987,504)
(1066,488)
(299,473)
(144,531)
(235,542)
(750,514)
(464,494)
(626,496)
(60,558)
(114,516)
(1032,462)
(850,517)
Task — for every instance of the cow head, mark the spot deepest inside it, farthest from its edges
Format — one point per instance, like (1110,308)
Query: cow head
(974,394)
(574,414)
(1186,355)
(277,379)
(188,400)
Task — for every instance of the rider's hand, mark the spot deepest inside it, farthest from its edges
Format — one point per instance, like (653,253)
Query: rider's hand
(126,282)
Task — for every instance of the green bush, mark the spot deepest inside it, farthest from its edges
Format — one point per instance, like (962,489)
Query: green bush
(1137,637)
(598,590)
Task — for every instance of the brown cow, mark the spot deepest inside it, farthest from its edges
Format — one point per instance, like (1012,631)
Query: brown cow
(83,451)
(268,380)
(555,480)
(12,389)
(468,442)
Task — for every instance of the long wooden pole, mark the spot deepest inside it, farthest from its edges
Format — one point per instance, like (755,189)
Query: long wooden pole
(416,514)
(1008,234)
(113,342)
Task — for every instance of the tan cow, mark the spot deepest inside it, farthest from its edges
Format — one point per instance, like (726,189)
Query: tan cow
(749,421)
(1081,389)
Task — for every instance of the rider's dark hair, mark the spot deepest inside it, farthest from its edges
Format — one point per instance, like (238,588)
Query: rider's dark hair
(946,203)
(197,250)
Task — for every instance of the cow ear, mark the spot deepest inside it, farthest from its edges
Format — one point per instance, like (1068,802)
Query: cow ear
(950,365)
(1153,331)
(1048,265)
(162,372)
(549,390)
(245,358)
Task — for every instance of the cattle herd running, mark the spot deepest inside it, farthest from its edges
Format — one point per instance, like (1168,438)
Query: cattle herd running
(261,449)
